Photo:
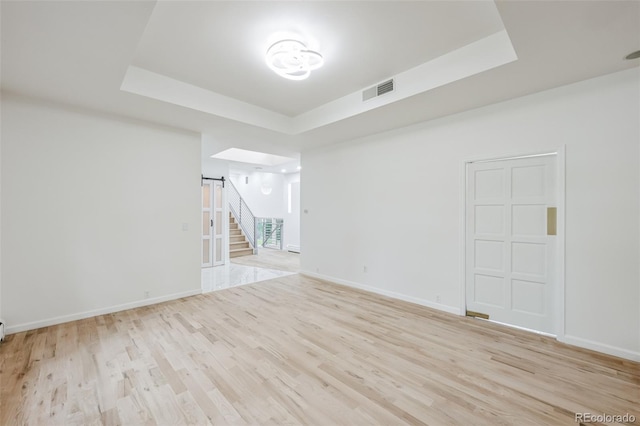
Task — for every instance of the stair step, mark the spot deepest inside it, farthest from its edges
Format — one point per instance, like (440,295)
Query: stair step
(234,232)
(239,245)
(233,226)
(240,252)
(236,238)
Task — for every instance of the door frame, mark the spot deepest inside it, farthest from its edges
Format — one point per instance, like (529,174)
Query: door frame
(559,310)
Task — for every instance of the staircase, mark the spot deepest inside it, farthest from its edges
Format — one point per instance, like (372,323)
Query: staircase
(238,243)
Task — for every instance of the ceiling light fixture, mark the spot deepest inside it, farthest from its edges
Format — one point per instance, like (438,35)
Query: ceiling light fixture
(292,60)
(266,189)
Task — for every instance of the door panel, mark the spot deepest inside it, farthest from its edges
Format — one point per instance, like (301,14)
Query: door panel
(489,220)
(528,220)
(206,221)
(489,255)
(218,229)
(489,290)
(212,224)
(509,271)
(489,184)
(207,252)
(528,296)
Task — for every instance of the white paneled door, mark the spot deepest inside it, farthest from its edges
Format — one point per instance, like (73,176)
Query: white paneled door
(207,223)
(218,224)
(511,242)
(212,224)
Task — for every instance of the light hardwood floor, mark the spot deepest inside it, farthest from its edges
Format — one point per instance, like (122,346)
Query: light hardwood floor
(300,351)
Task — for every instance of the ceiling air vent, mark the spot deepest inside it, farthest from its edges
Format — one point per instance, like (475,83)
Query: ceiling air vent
(378,90)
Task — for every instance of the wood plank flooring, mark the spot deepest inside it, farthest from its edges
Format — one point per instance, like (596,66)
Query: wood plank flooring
(301,351)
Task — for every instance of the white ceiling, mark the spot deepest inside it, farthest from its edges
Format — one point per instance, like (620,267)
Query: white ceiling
(200,65)
(221,46)
(252,157)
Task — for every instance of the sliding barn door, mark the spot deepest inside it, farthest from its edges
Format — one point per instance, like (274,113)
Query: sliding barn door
(212,223)
(218,224)
(510,240)
(207,224)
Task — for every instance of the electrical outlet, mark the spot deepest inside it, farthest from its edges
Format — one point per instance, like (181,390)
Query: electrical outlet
(437,298)
(146,294)
(364,269)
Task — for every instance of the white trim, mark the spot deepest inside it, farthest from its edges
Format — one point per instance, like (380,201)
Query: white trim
(601,347)
(463,239)
(392,294)
(517,157)
(225,221)
(102,311)
(517,327)
(504,156)
(560,314)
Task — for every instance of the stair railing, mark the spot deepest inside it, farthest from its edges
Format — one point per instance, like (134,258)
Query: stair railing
(243,215)
(270,232)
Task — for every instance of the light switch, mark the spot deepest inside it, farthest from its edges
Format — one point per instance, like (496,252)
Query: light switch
(185,226)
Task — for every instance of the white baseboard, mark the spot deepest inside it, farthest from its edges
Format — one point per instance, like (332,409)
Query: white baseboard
(392,294)
(600,347)
(102,311)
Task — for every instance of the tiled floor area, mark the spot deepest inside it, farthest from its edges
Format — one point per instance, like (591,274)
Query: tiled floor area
(271,259)
(232,275)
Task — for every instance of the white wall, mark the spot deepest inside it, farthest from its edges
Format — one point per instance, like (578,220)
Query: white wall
(1,317)
(392,203)
(275,204)
(93,213)
(292,219)
(262,205)
(215,168)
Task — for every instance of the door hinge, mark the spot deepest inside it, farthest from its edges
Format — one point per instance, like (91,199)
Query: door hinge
(477,315)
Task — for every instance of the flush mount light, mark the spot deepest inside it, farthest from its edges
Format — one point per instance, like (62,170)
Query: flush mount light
(292,60)
(265,189)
